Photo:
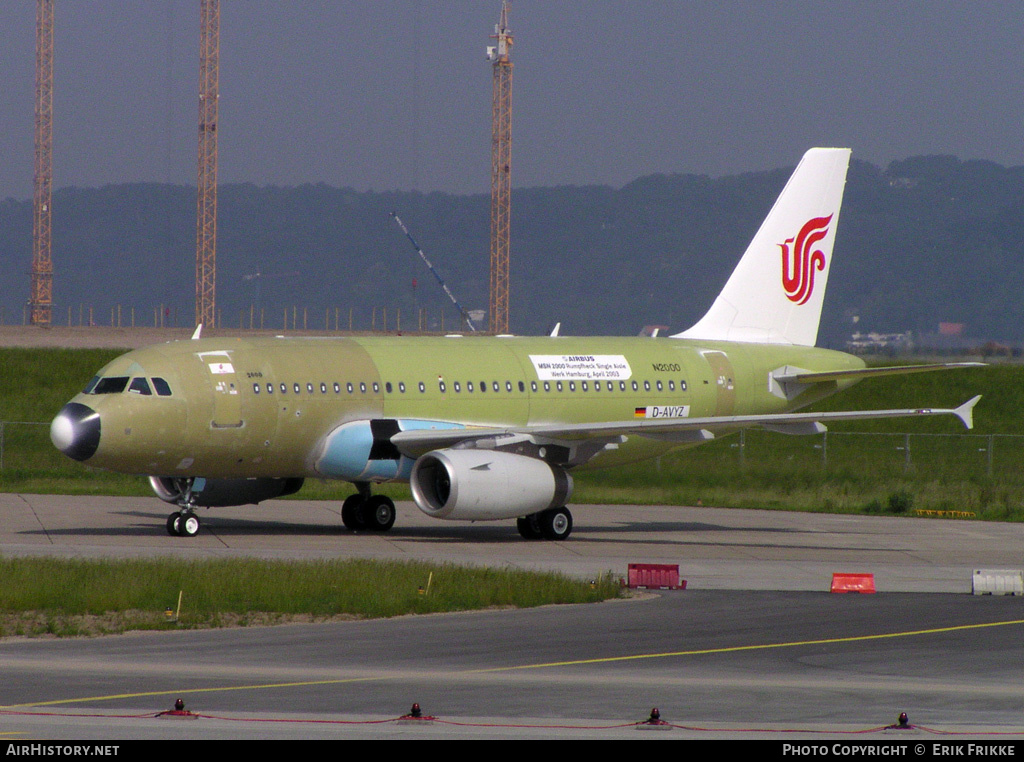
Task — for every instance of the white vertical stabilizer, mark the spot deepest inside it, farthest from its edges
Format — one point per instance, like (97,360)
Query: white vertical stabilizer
(774,295)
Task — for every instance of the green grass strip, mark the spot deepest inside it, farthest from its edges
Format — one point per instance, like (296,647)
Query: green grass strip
(45,596)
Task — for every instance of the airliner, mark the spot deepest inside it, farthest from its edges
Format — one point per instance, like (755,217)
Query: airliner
(482,427)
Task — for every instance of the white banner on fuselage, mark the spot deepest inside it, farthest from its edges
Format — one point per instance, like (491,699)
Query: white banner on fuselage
(581,367)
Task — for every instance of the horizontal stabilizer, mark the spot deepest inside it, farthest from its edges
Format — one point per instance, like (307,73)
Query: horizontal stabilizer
(810,377)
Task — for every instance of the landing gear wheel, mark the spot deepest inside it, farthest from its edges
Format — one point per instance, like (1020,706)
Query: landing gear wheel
(555,523)
(529,527)
(379,513)
(189,525)
(174,524)
(353,512)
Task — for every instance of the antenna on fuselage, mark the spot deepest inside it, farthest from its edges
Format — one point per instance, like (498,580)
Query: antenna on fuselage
(197,331)
(440,280)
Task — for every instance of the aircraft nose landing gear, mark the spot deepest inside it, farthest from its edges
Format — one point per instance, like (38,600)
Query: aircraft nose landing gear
(183,524)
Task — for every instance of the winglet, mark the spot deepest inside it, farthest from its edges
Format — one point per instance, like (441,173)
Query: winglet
(199,330)
(966,411)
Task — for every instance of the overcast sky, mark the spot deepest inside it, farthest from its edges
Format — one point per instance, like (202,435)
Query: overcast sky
(396,94)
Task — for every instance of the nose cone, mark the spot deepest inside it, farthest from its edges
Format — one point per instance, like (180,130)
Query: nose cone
(76,431)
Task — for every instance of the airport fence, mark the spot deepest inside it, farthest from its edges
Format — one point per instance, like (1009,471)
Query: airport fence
(25,445)
(372,318)
(888,455)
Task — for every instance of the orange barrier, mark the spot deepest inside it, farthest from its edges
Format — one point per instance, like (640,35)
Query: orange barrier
(661,576)
(853,583)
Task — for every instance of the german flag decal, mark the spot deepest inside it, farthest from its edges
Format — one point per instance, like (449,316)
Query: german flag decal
(662,411)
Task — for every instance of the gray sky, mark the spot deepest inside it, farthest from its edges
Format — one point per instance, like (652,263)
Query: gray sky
(390,94)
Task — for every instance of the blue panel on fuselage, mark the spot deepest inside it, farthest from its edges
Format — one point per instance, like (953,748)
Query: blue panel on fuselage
(348,449)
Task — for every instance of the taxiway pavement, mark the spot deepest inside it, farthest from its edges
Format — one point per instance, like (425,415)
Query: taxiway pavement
(715,548)
(755,647)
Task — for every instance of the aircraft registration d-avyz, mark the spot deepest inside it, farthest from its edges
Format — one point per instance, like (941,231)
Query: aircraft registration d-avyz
(483,428)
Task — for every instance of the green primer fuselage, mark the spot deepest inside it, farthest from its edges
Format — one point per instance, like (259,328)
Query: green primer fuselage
(263,407)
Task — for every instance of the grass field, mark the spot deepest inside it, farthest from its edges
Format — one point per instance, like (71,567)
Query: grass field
(49,596)
(888,466)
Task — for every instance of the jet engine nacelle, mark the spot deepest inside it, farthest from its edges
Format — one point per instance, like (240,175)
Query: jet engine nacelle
(223,492)
(477,485)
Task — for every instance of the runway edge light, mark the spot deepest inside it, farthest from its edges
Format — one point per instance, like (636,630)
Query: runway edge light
(903,723)
(179,712)
(415,717)
(654,722)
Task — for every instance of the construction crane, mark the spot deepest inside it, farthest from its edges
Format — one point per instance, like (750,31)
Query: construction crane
(41,300)
(437,275)
(206,215)
(501,168)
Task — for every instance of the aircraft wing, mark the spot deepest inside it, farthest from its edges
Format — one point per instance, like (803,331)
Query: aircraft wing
(418,441)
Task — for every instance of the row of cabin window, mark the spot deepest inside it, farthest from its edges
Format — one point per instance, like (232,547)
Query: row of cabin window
(297,388)
(610,385)
(535,386)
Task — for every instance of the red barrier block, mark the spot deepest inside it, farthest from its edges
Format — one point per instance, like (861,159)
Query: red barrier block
(853,583)
(661,576)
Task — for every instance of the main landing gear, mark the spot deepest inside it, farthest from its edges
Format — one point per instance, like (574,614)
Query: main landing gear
(552,524)
(366,512)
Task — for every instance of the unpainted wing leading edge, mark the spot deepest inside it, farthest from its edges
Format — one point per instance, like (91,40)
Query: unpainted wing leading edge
(416,442)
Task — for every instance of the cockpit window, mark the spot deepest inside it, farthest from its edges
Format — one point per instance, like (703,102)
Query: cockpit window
(110,385)
(163,389)
(139,386)
(91,385)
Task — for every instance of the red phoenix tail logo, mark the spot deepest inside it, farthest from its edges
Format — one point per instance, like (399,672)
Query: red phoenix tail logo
(798,265)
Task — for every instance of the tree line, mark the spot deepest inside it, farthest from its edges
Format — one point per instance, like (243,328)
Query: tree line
(925,240)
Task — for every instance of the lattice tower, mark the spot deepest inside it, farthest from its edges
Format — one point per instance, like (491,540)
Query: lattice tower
(206,217)
(41,300)
(501,172)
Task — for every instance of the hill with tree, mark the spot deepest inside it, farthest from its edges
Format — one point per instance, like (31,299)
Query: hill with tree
(925,240)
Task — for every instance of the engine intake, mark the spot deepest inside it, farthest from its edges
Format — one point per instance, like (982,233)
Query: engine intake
(479,485)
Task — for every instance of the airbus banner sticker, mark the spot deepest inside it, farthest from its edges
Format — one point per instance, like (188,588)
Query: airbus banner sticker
(581,367)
